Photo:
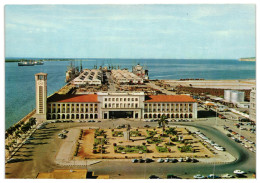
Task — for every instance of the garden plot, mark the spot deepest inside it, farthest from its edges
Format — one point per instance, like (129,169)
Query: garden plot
(144,142)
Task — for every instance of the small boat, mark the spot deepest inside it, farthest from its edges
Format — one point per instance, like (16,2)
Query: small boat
(25,63)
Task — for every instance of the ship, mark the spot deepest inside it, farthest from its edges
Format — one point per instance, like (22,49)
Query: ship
(38,62)
(72,72)
(25,63)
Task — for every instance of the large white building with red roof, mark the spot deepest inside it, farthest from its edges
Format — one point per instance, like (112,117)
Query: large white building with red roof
(109,105)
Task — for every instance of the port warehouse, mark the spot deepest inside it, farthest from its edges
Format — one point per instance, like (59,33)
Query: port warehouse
(107,105)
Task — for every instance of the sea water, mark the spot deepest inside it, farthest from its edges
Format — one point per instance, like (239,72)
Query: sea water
(20,82)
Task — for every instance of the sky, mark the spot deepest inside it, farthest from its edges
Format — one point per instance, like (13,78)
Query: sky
(130,31)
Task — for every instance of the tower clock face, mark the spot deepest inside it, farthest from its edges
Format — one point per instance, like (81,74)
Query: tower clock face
(40,82)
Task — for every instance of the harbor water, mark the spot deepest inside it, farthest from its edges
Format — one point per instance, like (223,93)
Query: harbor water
(20,83)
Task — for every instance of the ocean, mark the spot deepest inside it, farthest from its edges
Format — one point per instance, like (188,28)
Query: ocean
(20,83)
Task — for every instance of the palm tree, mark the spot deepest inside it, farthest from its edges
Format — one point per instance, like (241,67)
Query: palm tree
(162,122)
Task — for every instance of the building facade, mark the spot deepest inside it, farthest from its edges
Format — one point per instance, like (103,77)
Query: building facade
(252,110)
(110,105)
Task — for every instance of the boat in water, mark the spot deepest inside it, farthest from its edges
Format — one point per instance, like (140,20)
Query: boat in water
(38,62)
(25,63)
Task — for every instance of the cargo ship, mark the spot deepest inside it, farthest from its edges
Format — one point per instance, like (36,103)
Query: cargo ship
(25,63)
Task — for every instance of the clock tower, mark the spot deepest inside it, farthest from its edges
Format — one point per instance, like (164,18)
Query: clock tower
(41,96)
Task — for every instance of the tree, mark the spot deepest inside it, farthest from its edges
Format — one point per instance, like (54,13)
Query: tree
(162,122)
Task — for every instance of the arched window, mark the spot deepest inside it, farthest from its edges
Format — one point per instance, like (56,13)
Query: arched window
(63,116)
(53,116)
(91,116)
(82,116)
(190,116)
(58,116)
(150,115)
(68,116)
(77,116)
(96,116)
(145,116)
(72,116)
(86,116)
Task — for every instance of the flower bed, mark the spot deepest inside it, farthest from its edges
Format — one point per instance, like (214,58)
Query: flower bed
(130,149)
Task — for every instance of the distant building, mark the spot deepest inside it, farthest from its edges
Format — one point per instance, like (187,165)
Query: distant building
(234,96)
(125,77)
(139,71)
(252,110)
(89,77)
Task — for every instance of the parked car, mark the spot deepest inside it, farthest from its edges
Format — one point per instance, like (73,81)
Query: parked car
(227,176)
(134,160)
(180,160)
(141,160)
(167,160)
(160,160)
(198,176)
(148,160)
(171,176)
(238,172)
(146,126)
(153,177)
(173,160)
(213,176)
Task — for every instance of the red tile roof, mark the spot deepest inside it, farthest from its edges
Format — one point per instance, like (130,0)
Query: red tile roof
(169,98)
(73,98)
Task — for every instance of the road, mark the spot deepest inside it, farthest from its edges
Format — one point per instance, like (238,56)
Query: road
(39,156)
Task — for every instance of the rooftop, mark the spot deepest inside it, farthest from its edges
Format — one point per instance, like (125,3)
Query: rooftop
(73,98)
(169,98)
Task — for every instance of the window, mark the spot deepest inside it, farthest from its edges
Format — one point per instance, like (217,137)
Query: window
(128,99)
(132,99)
(113,99)
(117,99)
(136,99)
(120,99)
(124,99)
(105,99)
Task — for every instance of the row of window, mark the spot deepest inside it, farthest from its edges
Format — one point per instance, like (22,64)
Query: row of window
(168,110)
(128,105)
(168,115)
(68,105)
(72,116)
(121,99)
(68,110)
(168,105)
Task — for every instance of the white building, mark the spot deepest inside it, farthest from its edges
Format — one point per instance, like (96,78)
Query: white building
(234,96)
(252,110)
(88,77)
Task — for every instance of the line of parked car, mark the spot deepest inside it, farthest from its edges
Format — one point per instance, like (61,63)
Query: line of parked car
(212,143)
(240,139)
(168,120)
(238,174)
(63,134)
(166,160)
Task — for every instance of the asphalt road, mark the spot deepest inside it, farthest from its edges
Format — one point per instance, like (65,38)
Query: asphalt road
(39,156)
